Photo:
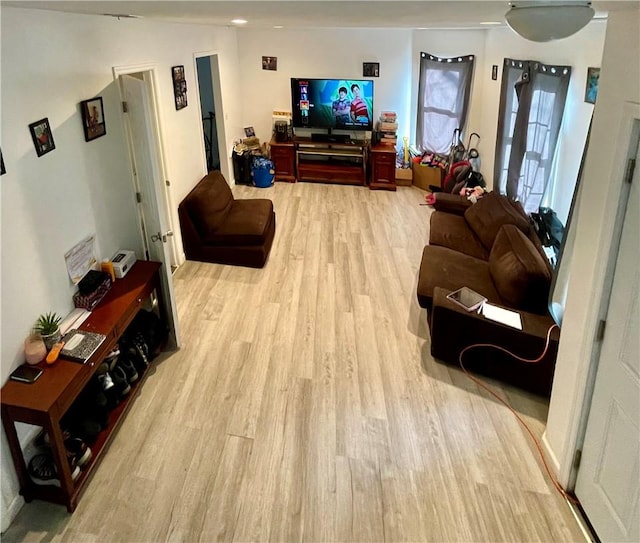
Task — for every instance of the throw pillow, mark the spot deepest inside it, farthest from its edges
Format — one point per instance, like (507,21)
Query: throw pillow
(487,217)
(519,272)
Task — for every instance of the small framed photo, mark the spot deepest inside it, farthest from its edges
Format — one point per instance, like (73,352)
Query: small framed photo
(179,87)
(42,136)
(249,132)
(93,118)
(270,63)
(591,91)
(371,69)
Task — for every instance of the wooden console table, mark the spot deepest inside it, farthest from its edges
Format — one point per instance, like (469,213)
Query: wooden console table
(44,402)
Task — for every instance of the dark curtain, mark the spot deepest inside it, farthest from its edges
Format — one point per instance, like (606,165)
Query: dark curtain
(443,99)
(532,101)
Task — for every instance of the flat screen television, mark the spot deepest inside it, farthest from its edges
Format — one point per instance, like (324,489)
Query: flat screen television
(345,104)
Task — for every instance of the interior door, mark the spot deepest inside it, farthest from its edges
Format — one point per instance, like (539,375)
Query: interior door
(608,482)
(144,145)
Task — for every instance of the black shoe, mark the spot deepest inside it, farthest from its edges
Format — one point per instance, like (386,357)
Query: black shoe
(78,451)
(42,469)
(120,382)
(129,369)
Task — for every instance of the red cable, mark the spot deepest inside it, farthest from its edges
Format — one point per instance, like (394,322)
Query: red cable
(477,381)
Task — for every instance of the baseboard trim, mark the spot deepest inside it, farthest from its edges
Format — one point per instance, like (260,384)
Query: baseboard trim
(12,512)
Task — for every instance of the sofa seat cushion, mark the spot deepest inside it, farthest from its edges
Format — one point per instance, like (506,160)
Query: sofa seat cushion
(488,215)
(519,272)
(246,223)
(452,231)
(209,203)
(449,269)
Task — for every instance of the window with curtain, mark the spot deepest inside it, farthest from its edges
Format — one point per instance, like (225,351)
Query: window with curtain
(532,100)
(443,100)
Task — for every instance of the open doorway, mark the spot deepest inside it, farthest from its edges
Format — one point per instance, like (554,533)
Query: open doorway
(208,108)
(208,75)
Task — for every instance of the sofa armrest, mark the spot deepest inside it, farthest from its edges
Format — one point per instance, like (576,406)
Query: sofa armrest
(451,203)
(453,329)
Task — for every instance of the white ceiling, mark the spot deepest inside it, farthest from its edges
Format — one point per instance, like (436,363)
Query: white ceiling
(306,13)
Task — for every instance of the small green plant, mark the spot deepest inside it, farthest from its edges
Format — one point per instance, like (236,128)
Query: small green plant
(47,324)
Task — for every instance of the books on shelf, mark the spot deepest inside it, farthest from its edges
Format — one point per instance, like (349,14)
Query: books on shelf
(388,117)
(386,127)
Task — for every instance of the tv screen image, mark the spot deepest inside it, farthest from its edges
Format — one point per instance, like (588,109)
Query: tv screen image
(332,103)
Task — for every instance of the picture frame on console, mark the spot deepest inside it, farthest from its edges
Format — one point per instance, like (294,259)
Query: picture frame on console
(93,118)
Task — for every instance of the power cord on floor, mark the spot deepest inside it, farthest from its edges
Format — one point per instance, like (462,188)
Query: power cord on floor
(478,382)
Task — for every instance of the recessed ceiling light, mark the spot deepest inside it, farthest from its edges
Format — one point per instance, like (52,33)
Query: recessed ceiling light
(489,23)
(278,26)
(239,21)
(122,15)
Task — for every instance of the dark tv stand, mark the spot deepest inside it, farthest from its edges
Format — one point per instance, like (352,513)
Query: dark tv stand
(331,162)
(331,138)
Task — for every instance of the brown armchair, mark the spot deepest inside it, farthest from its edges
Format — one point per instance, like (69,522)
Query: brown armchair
(218,228)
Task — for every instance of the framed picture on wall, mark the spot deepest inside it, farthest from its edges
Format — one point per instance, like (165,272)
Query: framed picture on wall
(179,87)
(591,91)
(371,69)
(270,63)
(93,118)
(42,136)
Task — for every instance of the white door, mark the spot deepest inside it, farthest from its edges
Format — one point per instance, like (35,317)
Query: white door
(144,143)
(608,482)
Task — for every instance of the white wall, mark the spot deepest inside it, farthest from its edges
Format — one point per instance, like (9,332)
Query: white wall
(50,62)
(330,53)
(600,193)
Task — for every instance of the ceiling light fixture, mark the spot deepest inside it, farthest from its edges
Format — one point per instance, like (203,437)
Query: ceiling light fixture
(239,21)
(546,21)
(278,26)
(490,23)
(122,16)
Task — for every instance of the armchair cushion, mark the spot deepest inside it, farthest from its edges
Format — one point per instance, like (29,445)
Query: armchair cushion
(487,216)
(245,224)
(519,273)
(209,203)
(451,230)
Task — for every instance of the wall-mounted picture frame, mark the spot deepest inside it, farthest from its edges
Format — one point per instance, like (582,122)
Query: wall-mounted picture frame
(179,87)
(93,121)
(249,132)
(270,63)
(591,90)
(42,136)
(2,170)
(371,69)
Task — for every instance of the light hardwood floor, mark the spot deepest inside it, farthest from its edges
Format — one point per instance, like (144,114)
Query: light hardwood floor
(304,405)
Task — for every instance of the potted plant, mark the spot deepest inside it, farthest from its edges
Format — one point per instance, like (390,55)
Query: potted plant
(48,326)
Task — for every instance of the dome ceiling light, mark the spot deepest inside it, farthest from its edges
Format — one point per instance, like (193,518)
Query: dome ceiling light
(547,21)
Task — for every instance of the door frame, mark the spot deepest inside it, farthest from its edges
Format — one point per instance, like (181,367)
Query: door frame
(221,131)
(149,73)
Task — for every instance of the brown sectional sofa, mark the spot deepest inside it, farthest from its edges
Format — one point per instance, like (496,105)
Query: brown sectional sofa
(491,248)
(218,228)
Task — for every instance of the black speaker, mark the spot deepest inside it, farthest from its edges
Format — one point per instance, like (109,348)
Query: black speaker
(281,131)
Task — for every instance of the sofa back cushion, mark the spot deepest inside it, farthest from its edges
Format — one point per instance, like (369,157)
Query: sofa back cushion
(209,203)
(490,212)
(519,273)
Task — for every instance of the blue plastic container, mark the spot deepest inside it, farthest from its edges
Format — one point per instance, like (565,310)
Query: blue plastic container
(263,172)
